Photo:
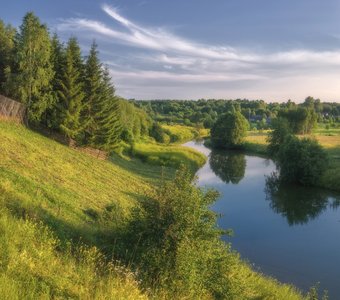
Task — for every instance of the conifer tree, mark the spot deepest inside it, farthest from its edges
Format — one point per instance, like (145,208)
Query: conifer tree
(33,58)
(72,91)
(107,114)
(58,60)
(93,86)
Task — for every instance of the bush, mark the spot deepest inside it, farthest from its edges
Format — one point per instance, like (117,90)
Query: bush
(229,130)
(301,161)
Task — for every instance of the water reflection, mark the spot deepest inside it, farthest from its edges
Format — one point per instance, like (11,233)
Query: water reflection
(297,204)
(229,166)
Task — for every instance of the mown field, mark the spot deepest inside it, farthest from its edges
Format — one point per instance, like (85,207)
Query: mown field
(329,139)
(59,209)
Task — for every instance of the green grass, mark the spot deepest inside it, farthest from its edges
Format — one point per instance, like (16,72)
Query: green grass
(185,133)
(169,155)
(58,210)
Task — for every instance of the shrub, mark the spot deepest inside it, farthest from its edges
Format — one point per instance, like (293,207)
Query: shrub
(301,161)
(229,130)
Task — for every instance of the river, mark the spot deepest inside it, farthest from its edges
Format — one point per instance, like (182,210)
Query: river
(289,232)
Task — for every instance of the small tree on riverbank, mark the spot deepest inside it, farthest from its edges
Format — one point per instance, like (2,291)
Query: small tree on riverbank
(301,161)
(229,130)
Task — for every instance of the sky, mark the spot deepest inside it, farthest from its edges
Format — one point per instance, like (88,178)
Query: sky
(192,49)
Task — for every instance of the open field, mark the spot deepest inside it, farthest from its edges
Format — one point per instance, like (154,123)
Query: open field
(57,204)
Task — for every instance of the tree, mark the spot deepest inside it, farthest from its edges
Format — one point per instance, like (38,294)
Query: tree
(93,85)
(72,91)
(33,59)
(280,131)
(58,61)
(107,114)
(301,161)
(7,34)
(229,130)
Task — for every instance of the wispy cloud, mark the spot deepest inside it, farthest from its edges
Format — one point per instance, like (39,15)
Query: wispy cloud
(164,56)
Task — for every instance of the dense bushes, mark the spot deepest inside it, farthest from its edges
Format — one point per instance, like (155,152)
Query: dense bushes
(229,130)
(301,161)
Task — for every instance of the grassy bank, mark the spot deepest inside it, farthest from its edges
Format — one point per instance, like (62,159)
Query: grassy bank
(60,212)
(256,143)
(185,133)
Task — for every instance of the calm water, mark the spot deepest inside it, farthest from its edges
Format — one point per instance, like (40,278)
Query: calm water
(291,233)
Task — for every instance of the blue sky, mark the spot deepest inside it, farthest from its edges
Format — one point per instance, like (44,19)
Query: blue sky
(157,49)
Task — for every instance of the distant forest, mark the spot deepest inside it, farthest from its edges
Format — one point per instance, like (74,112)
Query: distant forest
(257,112)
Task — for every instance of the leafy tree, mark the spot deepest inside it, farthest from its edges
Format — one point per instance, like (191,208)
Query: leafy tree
(301,161)
(229,130)
(7,34)
(33,59)
(176,242)
(71,91)
(281,130)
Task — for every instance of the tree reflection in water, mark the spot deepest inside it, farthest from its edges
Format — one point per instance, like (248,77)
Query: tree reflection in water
(228,166)
(298,204)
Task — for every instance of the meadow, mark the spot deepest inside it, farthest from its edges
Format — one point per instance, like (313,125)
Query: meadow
(61,210)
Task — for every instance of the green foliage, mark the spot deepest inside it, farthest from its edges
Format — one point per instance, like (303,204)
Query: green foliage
(276,137)
(229,130)
(107,118)
(71,91)
(158,133)
(34,69)
(301,119)
(7,35)
(301,161)
(135,122)
(176,230)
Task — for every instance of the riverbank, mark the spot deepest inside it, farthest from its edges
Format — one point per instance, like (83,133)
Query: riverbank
(61,213)
(257,144)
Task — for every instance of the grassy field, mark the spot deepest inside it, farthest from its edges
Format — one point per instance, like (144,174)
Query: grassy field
(185,133)
(58,210)
(256,142)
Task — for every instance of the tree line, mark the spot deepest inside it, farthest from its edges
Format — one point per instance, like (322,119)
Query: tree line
(257,112)
(62,89)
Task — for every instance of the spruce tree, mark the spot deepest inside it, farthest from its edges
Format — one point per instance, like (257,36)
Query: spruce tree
(33,58)
(72,91)
(107,114)
(58,61)
(93,86)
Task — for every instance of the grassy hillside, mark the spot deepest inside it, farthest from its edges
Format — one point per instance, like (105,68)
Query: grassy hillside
(58,210)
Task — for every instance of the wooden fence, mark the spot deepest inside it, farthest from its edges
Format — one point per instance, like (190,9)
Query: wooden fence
(12,109)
